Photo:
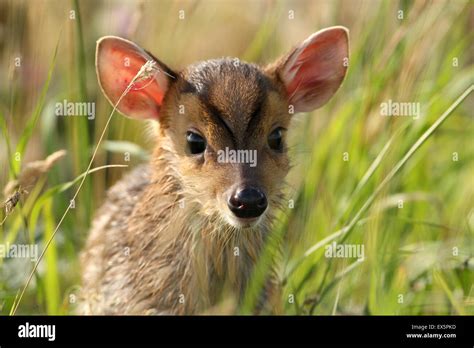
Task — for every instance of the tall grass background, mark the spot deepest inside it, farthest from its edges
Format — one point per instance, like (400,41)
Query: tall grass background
(358,177)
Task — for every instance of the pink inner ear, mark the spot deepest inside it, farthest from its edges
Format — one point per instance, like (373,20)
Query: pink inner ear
(314,71)
(118,62)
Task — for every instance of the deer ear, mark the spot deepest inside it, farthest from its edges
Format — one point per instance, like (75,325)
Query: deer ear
(314,70)
(117,62)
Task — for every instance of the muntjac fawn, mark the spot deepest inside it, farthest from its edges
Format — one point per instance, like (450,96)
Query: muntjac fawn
(164,241)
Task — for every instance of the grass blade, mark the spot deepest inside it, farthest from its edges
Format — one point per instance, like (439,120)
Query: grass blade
(30,126)
(345,230)
(51,281)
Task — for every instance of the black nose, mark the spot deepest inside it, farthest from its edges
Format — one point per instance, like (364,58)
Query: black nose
(248,203)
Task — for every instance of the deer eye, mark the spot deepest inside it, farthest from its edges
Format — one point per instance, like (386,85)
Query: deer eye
(275,140)
(196,143)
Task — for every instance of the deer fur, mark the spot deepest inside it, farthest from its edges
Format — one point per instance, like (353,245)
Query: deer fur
(164,241)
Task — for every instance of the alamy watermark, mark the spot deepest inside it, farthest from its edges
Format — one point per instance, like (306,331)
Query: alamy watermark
(67,108)
(24,251)
(237,156)
(394,108)
(335,250)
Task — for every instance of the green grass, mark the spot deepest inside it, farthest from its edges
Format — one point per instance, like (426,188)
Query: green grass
(418,256)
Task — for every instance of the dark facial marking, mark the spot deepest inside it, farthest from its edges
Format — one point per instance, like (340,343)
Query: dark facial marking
(216,116)
(256,113)
(234,95)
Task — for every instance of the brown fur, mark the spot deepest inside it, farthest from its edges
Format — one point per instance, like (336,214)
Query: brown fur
(146,252)
(166,241)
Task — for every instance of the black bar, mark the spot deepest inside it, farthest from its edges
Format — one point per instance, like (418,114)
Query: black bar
(290,330)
